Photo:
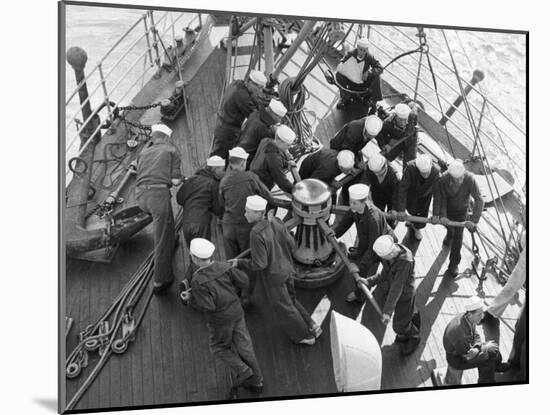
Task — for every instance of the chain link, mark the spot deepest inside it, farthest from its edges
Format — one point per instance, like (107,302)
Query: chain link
(135,107)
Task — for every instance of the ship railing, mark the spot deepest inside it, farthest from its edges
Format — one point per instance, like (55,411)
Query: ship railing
(506,139)
(111,81)
(501,235)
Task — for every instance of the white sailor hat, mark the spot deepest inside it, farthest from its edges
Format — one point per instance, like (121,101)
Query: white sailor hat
(376,163)
(373,125)
(358,191)
(201,248)
(215,161)
(402,110)
(424,163)
(258,78)
(456,168)
(346,159)
(238,152)
(256,203)
(474,303)
(370,149)
(161,128)
(285,134)
(383,245)
(362,43)
(277,107)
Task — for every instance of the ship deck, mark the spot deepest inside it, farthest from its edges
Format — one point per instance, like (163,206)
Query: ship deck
(170,363)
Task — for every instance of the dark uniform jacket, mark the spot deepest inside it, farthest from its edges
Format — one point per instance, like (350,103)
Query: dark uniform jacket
(391,133)
(414,189)
(350,137)
(460,336)
(199,197)
(399,275)
(158,164)
(235,186)
(322,165)
(238,104)
(257,127)
(453,202)
(370,225)
(271,246)
(270,164)
(370,62)
(384,193)
(215,289)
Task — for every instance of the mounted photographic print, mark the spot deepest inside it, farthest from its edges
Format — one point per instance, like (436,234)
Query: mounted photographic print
(267,206)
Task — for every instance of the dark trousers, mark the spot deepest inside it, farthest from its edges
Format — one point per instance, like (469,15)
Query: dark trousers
(157,203)
(519,339)
(294,319)
(485,365)
(236,238)
(421,207)
(196,230)
(226,137)
(455,236)
(385,204)
(230,341)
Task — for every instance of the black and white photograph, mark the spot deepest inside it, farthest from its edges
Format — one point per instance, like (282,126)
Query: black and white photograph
(261,206)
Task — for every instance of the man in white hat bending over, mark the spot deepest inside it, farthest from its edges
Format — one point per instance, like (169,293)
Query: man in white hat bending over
(158,168)
(415,190)
(395,284)
(259,125)
(215,290)
(399,134)
(451,200)
(271,163)
(359,71)
(383,182)
(239,101)
(271,246)
(199,198)
(235,186)
(370,224)
(463,346)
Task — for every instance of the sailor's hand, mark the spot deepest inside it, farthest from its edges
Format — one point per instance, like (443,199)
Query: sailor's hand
(434,220)
(176,182)
(186,295)
(385,149)
(362,165)
(471,226)
(291,163)
(353,268)
(371,281)
(385,319)
(335,184)
(491,346)
(401,216)
(444,221)
(233,262)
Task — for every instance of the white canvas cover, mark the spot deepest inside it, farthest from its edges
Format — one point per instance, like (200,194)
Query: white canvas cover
(352,70)
(356,355)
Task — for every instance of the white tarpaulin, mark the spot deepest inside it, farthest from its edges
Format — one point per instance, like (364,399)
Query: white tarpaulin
(356,355)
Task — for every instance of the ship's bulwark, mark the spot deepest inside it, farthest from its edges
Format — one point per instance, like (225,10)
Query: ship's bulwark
(169,361)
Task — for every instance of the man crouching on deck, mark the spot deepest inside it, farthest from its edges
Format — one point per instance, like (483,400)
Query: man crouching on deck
(214,290)
(271,247)
(396,281)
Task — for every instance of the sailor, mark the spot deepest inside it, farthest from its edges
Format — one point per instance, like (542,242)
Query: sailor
(370,224)
(215,290)
(199,199)
(398,134)
(415,190)
(463,346)
(396,285)
(325,165)
(383,182)
(355,134)
(359,71)
(451,201)
(235,186)
(239,101)
(259,125)
(158,168)
(271,246)
(271,162)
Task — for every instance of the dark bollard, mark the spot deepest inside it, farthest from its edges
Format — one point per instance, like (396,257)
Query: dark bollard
(476,77)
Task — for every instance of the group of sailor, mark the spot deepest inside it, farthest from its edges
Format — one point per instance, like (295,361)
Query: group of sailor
(245,164)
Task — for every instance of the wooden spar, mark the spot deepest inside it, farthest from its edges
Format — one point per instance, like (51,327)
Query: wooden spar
(329,235)
(407,218)
(304,33)
(80,183)
(268,48)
